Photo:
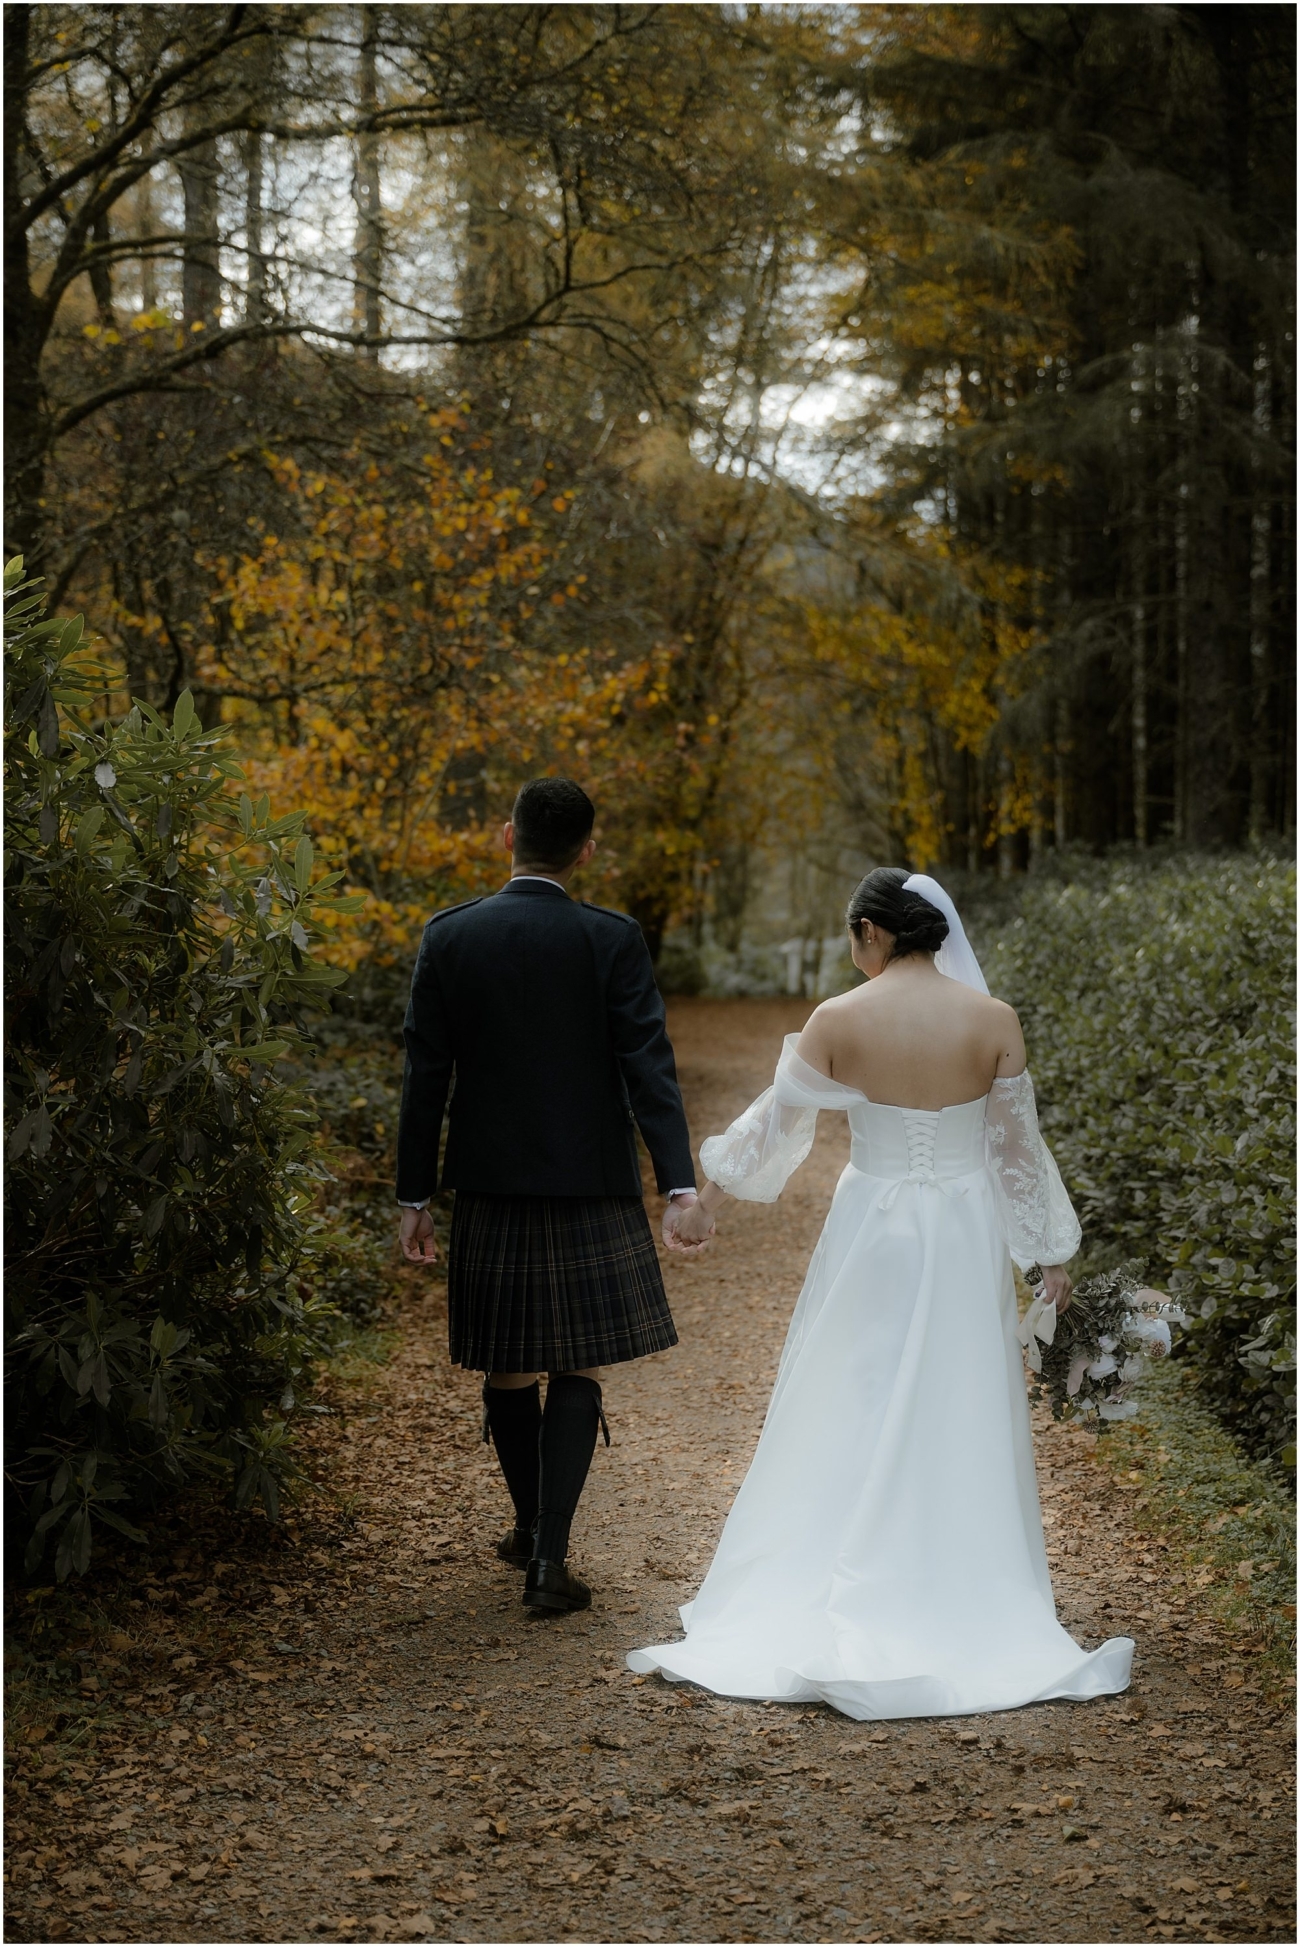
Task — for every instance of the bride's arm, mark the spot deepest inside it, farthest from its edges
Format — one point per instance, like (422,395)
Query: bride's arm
(757,1155)
(752,1160)
(1022,1162)
(1012,1058)
(755,1158)
(814,1044)
(696,1224)
(1034,1208)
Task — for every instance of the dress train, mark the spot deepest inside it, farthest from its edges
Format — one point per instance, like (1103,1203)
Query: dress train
(885,1551)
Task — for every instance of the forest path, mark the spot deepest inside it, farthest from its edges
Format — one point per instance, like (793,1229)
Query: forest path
(370,1740)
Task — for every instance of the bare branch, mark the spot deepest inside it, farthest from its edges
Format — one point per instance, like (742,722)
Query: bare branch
(99,160)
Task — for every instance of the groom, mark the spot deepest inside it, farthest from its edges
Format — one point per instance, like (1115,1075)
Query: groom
(539,1015)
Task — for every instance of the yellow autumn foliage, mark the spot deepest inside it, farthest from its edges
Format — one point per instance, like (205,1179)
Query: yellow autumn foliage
(914,671)
(385,663)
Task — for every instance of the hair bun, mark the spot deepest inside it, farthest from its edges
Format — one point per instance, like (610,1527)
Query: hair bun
(923,927)
(916,925)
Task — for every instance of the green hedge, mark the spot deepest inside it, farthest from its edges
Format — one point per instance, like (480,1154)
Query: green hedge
(1230,1519)
(168,1267)
(1157,1001)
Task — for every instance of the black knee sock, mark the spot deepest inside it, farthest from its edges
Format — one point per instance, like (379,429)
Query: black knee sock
(569,1423)
(513,1416)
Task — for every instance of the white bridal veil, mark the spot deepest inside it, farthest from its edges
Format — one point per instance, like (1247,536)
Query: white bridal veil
(956,957)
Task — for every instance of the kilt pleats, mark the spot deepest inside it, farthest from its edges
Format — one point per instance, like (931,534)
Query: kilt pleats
(553,1284)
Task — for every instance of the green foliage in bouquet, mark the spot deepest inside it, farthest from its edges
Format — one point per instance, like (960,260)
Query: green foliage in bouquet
(1100,1346)
(1157,1002)
(162,1301)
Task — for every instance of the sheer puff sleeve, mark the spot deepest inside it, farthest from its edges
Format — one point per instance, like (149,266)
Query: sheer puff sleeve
(762,1149)
(1035,1212)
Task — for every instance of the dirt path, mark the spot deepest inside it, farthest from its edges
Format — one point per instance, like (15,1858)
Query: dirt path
(359,1735)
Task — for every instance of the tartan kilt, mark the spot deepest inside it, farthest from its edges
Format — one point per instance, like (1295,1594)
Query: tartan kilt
(553,1284)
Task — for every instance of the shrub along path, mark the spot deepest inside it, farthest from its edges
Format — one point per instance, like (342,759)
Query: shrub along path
(352,1732)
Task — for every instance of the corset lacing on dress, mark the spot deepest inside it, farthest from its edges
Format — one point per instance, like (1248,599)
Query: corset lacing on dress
(921,1126)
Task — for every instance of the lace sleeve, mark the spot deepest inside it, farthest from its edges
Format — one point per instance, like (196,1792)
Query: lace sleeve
(1035,1212)
(762,1149)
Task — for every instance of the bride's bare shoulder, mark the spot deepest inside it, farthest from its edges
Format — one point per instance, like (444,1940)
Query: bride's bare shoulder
(1006,1036)
(820,1030)
(1000,1014)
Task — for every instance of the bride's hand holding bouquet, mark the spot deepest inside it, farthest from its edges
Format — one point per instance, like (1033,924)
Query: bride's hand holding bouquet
(1058,1286)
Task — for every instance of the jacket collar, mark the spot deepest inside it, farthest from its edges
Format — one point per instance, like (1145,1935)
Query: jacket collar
(543,887)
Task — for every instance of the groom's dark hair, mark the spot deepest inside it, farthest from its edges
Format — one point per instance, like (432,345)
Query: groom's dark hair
(552,818)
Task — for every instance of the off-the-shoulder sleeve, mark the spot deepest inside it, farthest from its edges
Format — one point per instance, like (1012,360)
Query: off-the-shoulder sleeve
(762,1149)
(1034,1209)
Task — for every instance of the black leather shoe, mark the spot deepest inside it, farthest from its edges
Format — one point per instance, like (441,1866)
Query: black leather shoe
(516,1547)
(549,1585)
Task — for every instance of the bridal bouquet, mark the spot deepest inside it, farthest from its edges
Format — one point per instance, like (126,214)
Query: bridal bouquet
(1088,1359)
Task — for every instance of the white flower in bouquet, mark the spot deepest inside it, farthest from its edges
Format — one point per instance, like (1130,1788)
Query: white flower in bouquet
(1088,1359)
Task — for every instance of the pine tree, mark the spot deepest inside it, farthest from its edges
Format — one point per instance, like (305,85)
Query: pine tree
(1090,308)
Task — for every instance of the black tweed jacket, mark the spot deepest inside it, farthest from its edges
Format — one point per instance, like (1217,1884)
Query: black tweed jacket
(545,1012)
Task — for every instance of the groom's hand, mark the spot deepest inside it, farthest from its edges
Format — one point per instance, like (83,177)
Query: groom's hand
(687,1228)
(415,1235)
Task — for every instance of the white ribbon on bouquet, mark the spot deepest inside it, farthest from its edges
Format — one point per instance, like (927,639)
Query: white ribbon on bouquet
(1038,1324)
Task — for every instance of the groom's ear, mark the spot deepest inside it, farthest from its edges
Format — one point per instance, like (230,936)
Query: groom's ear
(588,852)
(508,836)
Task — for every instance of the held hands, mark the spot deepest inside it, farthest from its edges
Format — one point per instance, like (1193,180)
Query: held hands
(415,1234)
(687,1226)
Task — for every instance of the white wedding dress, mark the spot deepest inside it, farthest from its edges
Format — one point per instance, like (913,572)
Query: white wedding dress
(885,1551)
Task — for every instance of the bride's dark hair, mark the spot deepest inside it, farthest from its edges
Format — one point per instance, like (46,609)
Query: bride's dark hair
(917,926)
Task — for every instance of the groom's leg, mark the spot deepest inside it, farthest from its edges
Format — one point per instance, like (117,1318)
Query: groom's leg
(512,1414)
(570,1422)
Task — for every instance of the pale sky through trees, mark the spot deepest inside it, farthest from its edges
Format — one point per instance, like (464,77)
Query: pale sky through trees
(978,320)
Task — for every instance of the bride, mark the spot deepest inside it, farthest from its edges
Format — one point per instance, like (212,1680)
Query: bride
(885,1551)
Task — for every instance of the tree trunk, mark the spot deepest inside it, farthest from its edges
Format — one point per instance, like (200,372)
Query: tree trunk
(144,223)
(1218,685)
(651,915)
(1180,662)
(179,603)
(972,812)
(1283,617)
(1059,704)
(1038,792)
(1140,682)
(26,430)
(498,277)
(368,249)
(1006,837)
(1207,701)
(200,263)
(1261,688)
(101,275)
(1060,773)
(1261,522)
(255,298)
(463,800)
